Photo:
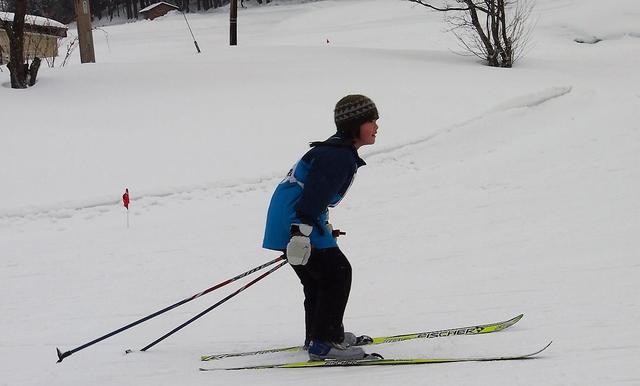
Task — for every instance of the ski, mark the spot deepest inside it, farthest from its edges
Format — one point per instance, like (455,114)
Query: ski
(381,362)
(470,330)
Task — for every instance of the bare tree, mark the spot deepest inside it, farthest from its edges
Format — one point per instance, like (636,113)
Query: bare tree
(493,30)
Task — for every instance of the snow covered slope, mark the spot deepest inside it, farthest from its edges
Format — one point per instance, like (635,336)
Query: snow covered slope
(489,192)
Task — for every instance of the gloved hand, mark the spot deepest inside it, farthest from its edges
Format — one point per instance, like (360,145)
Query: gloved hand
(335,233)
(329,227)
(299,246)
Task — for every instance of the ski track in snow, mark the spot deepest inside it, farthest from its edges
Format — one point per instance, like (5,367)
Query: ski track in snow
(524,101)
(225,188)
(593,39)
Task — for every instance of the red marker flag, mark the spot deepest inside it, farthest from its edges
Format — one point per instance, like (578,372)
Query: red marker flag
(125,198)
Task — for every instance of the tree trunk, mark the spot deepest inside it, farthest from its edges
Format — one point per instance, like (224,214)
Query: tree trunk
(494,11)
(33,70)
(508,47)
(129,9)
(491,55)
(16,47)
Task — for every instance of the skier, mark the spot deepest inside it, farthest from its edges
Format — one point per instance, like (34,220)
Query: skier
(298,224)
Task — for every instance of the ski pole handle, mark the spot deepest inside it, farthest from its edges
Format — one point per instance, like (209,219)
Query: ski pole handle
(337,233)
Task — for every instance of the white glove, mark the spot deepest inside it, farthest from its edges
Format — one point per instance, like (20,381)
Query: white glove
(299,246)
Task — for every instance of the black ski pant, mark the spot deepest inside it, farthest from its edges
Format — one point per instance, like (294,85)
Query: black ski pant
(326,279)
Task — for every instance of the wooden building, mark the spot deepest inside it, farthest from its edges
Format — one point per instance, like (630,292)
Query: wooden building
(157,10)
(40,36)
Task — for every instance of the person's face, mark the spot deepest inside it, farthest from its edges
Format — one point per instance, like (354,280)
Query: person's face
(368,131)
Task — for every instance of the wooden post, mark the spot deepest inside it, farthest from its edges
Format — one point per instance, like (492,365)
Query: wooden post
(85,36)
(233,16)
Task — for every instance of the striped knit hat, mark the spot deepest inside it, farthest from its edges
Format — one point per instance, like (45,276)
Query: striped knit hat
(352,111)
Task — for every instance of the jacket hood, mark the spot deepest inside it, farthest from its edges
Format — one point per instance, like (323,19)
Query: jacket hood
(336,140)
(340,140)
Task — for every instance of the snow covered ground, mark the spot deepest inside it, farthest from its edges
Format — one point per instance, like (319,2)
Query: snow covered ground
(489,192)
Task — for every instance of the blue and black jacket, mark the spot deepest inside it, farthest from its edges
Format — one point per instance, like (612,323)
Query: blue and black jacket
(319,180)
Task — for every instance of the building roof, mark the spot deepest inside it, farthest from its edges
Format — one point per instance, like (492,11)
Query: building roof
(33,20)
(152,6)
(37,24)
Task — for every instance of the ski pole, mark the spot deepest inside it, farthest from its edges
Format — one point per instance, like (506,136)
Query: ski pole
(213,306)
(194,38)
(62,355)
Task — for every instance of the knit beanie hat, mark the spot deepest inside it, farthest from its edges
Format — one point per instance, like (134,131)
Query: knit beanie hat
(352,111)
